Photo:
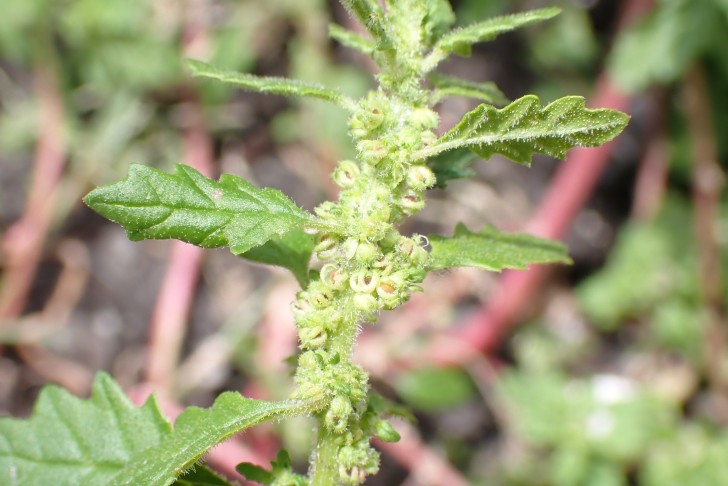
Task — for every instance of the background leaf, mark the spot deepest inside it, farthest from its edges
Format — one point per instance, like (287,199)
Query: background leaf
(460,41)
(492,250)
(451,86)
(453,164)
(70,441)
(292,251)
(151,204)
(201,476)
(523,128)
(267,84)
(351,40)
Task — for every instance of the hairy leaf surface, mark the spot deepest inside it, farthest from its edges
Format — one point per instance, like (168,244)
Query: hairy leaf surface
(70,441)
(197,430)
(460,41)
(272,85)
(523,128)
(370,15)
(107,440)
(291,251)
(492,250)
(451,86)
(151,204)
(351,40)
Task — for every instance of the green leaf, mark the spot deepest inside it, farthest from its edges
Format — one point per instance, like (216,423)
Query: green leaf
(438,20)
(453,164)
(460,41)
(197,430)
(292,251)
(523,128)
(451,86)
(272,85)
(351,40)
(201,476)
(252,472)
(151,204)
(435,389)
(70,441)
(492,250)
(370,15)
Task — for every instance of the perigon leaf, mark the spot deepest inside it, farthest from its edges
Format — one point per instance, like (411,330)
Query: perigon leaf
(492,250)
(291,251)
(450,86)
(151,204)
(351,40)
(272,85)
(453,164)
(197,430)
(523,128)
(460,41)
(69,441)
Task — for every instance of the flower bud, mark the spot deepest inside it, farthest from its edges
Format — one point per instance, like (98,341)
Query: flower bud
(346,173)
(420,177)
(366,252)
(372,151)
(428,138)
(350,246)
(337,416)
(364,281)
(320,297)
(424,118)
(411,202)
(326,246)
(333,276)
(312,337)
(366,303)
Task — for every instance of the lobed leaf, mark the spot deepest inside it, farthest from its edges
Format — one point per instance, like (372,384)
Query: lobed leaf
(70,441)
(492,250)
(291,251)
(272,85)
(151,204)
(197,430)
(451,86)
(523,128)
(351,40)
(460,41)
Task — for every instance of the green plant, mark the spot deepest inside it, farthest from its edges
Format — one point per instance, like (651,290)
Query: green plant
(368,266)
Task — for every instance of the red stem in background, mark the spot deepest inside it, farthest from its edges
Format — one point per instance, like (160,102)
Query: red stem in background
(22,244)
(168,324)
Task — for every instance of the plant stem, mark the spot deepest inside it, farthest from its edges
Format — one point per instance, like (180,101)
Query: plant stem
(324,461)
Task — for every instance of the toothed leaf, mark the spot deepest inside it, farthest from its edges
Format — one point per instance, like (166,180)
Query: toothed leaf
(291,251)
(460,41)
(523,128)
(446,86)
(197,430)
(271,85)
(70,441)
(492,250)
(151,204)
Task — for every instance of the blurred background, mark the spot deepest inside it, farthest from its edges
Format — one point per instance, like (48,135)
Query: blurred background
(611,372)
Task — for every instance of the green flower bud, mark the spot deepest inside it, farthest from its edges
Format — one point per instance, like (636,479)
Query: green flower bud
(366,303)
(313,337)
(428,138)
(333,276)
(364,281)
(405,246)
(302,305)
(320,296)
(411,202)
(386,432)
(389,287)
(419,256)
(424,118)
(337,416)
(346,174)
(326,246)
(372,151)
(420,177)
(349,246)
(366,252)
